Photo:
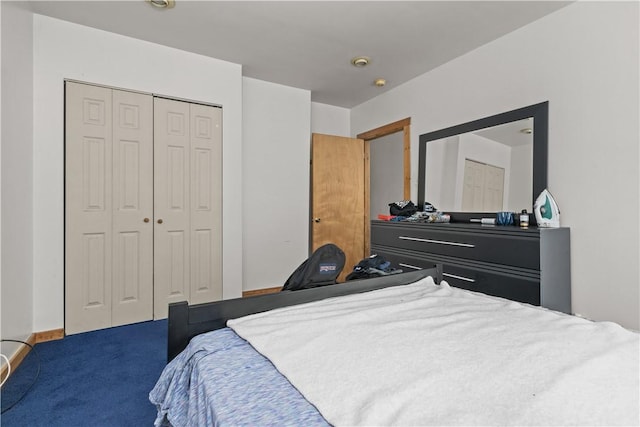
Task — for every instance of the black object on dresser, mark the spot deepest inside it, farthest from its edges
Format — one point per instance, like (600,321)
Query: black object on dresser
(526,265)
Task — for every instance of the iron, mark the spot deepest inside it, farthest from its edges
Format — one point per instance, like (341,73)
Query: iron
(546,210)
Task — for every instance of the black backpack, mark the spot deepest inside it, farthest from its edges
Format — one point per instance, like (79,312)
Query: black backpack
(322,268)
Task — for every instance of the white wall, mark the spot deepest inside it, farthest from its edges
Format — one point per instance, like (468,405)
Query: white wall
(521,176)
(330,120)
(584,60)
(17,171)
(275,190)
(68,51)
(441,173)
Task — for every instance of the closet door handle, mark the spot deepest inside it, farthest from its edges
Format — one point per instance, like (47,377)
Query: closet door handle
(440,242)
(146,220)
(160,221)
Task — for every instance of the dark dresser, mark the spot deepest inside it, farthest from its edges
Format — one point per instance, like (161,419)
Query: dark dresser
(526,265)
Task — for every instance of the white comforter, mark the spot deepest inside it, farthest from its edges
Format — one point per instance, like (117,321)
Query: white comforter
(424,354)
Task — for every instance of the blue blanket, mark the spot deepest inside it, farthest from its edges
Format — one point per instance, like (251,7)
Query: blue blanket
(221,380)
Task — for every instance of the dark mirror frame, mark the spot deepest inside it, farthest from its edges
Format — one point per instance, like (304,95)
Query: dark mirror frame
(539,113)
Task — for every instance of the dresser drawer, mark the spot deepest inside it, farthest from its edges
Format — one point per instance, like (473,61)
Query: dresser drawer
(514,287)
(511,249)
(519,285)
(403,262)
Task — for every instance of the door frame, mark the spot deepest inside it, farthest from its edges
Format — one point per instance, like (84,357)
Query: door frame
(404,126)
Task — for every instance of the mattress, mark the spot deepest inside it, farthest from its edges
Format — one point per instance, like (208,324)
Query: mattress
(427,354)
(418,354)
(221,380)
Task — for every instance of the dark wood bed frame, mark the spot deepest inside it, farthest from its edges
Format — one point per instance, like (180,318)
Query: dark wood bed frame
(185,321)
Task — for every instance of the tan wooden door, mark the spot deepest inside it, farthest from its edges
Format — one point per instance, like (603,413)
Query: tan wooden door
(339,208)
(108,246)
(187,204)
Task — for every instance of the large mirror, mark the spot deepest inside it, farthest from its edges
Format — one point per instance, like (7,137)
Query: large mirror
(498,163)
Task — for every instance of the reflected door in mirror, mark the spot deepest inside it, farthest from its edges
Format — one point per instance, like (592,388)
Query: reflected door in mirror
(483,187)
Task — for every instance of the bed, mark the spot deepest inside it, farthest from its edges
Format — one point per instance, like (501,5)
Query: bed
(397,350)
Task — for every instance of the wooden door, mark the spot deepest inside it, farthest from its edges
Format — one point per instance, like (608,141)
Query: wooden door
(339,199)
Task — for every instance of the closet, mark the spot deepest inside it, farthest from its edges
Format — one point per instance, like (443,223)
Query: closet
(143,194)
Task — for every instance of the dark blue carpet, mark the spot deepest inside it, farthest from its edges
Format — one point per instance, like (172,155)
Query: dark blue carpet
(99,378)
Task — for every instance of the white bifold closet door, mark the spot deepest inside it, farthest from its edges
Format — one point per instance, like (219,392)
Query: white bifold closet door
(187,203)
(127,255)
(483,187)
(109,193)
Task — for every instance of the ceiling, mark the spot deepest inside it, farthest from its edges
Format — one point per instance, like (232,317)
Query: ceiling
(310,44)
(512,134)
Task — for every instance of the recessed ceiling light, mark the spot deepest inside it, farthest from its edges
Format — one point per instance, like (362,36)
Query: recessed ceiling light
(360,61)
(526,130)
(162,4)
(380,82)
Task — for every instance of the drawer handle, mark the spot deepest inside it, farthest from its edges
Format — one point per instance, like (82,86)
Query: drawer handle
(440,242)
(409,266)
(453,276)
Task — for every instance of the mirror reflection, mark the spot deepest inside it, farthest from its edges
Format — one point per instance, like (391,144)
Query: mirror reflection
(486,170)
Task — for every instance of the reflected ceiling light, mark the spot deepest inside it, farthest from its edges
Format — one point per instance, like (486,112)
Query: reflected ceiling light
(360,61)
(162,4)
(380,82)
